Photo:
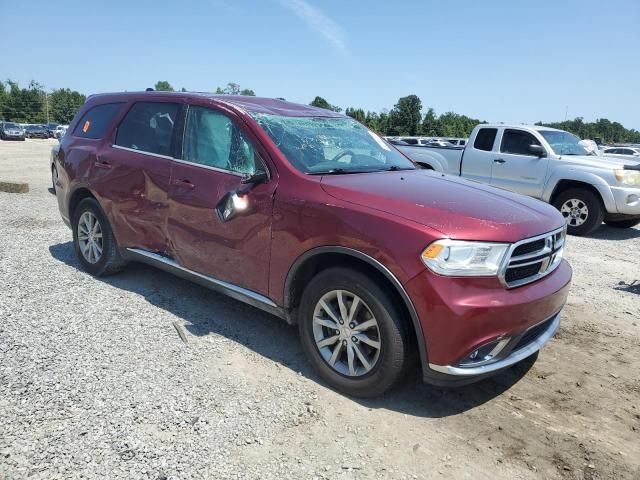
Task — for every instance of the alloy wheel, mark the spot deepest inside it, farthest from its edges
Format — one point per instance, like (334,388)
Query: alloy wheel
(575,212)
(346,333)
(90,237)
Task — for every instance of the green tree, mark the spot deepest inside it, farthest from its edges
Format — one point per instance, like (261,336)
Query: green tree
(405,117)
(63,104)
(234,89)
(164,86)
(356,113)
(322,103)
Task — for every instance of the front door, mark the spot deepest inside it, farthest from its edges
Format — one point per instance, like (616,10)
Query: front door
(216,155)
(516,168)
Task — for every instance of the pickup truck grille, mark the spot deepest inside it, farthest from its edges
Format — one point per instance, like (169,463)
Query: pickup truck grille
(533,258)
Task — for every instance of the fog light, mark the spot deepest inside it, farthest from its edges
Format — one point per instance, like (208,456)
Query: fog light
(485,353)
(632,199)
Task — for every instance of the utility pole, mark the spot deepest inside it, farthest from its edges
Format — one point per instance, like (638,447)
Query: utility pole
(46,105)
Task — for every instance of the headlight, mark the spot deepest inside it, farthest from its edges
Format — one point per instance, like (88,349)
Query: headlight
(461,258)
(628,177)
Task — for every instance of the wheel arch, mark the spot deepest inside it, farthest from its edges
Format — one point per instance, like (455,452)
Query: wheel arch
(318,259)
(77,196)
(564,185)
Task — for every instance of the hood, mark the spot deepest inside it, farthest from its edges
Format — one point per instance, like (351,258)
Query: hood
(597,161)
(456,207)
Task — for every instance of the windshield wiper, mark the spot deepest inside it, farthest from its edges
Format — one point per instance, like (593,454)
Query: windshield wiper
(338,171)
(395,168)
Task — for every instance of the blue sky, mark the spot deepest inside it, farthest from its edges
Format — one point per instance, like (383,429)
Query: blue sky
(510,61)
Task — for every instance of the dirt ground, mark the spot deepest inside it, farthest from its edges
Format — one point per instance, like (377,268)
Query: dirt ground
(572,413)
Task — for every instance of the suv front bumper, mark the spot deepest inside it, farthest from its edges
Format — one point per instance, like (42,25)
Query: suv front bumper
(461,317)
(517,349)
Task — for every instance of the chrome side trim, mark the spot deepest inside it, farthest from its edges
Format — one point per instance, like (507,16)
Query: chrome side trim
(513,358)
(242,294)
(151,154)
(208,167)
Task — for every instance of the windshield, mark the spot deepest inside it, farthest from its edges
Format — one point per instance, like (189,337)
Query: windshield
(563,143)
(10,125)
(320,145)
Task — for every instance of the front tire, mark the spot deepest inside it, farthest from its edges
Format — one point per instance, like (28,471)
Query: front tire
(582,210)
(93,239)
(352,332)
(623,223)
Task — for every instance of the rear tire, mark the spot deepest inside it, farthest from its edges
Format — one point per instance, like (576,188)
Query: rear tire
(582,210)
(95,246)
(623,223)
(383,344)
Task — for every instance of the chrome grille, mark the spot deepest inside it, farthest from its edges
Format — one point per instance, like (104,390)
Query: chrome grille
(531,259)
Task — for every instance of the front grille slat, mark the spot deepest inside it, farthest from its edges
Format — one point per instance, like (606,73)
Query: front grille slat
(533,258)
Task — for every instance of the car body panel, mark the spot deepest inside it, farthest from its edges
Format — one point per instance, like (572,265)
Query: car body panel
(438,201)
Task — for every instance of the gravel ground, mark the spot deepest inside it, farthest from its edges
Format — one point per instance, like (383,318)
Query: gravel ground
(146,376)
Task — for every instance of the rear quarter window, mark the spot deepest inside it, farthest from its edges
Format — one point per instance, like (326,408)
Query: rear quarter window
(94,123)
(485,138)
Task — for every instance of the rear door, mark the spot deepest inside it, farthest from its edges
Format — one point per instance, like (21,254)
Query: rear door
(132,172)
(478,156)
(217,152)
(515,168)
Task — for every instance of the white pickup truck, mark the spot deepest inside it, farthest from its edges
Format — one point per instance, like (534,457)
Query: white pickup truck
(547,164)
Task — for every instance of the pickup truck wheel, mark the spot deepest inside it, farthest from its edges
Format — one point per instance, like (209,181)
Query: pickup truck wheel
(582,210)
(623,223)
(93,239)
(352,332)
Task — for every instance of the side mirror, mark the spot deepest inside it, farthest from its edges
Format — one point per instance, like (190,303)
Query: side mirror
(237,202)
(537,150)
(232,204)
(255,179)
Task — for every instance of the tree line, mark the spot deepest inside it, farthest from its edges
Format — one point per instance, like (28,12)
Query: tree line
(34,104)
(406,119)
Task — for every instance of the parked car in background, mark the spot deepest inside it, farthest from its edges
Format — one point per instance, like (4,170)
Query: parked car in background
(548,164)
(631,153)
(440,143)
(59,131)
(37,131)
(414,140)
(51,128)
(457,142)
(308,215)
(11,131)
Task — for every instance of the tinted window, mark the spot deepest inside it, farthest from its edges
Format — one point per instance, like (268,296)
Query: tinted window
(485,138)
(148,127)
(517,142)
(212,139)
(411,141)
(626,151)
(94,123)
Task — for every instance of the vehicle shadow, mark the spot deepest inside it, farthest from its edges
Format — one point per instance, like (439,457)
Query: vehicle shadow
(611,233)
(632,287)
(206,312)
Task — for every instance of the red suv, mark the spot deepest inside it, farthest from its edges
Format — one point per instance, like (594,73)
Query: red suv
(310,216)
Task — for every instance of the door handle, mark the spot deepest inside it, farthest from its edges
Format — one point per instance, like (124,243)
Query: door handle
(102,164)
(183,184)
(499,160)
